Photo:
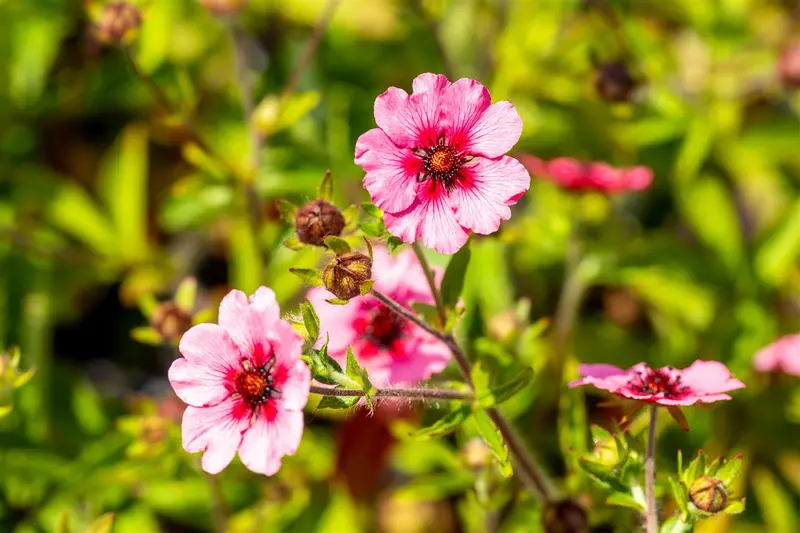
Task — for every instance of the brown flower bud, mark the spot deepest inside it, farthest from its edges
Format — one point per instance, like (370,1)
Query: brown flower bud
(345,273)
(613,82)
(789,65)
(708,494)
(118,21)
(171,321)
(565,516)
(223,7)
(317,220)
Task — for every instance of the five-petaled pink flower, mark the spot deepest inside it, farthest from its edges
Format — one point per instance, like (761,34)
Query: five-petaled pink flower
(245,385)
(782,355)
(436,163)
(393,350)
(573,174)
(702,382)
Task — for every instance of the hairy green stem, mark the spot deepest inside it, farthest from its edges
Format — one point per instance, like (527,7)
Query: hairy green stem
(426,267)
(410,393)
(650,473)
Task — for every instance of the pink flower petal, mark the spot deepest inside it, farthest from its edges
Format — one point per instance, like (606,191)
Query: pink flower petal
(211,357)
(402,276)
(295,387)
(247,319)
(638,178)
(268,440)
(430,218)
(601,371)
(568,173)
(336,321)
(463,104)
(488,187)
(429,83)
(391,172)
(412,121)
(496,131)
(782,355)
(215,430)
(709,377)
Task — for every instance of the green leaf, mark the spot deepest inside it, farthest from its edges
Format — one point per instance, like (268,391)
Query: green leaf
(146,335)
(310,320)
(508,389)
(337,402)
(186,293)
(676,525)
(606,476)
(367,286)
(736,507)
(428,312)
(776,258)
(246,267)
(323,367)
(453,281)
(294,244)
(122,183)
(372,210)
(74,212)
(369,248)
(729,470)
(22,379)
(325,187)
(337,301)
(393,243)
(445,425)
(482,381)
(491,436)
(288,211)
(776,502)
(695,469)
(624,499)
(309,276)
(681,495)
(350,215)
(372,228)
(337,245)
(360,375)
(102,524)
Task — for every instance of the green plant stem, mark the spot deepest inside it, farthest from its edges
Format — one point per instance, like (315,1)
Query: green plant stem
(218,507)
(533,477)
(410,393)
(426,267)
(650,473)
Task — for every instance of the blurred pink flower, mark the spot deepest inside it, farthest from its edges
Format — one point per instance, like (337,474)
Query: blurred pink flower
(782,355)
(436,162)
(245,385)
(571,173)
(393,350)
(702,382)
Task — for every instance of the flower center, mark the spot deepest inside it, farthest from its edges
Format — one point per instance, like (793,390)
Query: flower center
(657,382)
(384,326)
(254,384)
(441,162)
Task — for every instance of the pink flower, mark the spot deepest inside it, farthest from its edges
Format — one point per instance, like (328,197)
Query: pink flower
(781,355)
(245,385)
(702,382)
(572,174)
(436,162)
(393,350)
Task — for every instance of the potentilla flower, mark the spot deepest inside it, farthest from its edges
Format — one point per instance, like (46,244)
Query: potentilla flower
(393,350)
(573,174)
(702,382)
(436,165)
(782,355)
(245,385)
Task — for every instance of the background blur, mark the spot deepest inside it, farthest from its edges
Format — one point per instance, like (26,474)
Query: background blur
(107,203)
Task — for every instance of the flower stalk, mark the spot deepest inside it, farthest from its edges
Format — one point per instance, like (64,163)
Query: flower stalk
(650,473)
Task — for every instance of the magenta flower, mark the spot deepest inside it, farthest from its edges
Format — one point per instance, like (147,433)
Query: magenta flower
(782,355)
(245,385)
(702,382)
(572,174)
(436,162)
(393,350)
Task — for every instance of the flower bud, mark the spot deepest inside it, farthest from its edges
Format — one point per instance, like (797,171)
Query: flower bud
(223,7)
(345,273)
(171,321)
(565,516)
(613,82)
(316,220)
(789,65)
(708,494)
(118,22)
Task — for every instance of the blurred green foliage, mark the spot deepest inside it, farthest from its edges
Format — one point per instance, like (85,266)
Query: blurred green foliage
(108,198)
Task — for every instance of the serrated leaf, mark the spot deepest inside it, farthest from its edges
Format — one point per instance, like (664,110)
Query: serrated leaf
(367,286)
(146,335)
(678,416)
(323,367)
(287,210)
(606,476)
(681,495)
(728,471)
(186,293)
(325,187)
(337,245)
(338,402)
(310,320)
(453,281)
(102,524)
(393,243)
(624,499)
(309,276)
(445,425)
(372,210)
(360,375)
(695,469)
(294,244)
(491,436)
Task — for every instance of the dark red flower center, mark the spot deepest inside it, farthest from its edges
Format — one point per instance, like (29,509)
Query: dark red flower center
(383,326)
(255,384)
(658,381)
(442,162)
